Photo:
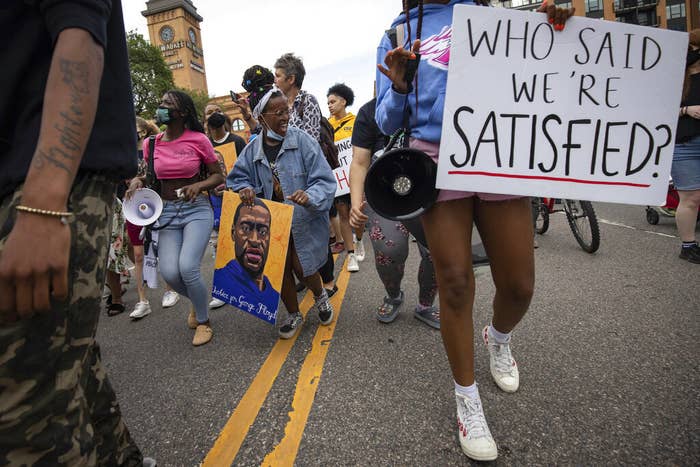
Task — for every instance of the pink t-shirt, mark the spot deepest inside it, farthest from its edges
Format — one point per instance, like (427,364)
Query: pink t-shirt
(181,158)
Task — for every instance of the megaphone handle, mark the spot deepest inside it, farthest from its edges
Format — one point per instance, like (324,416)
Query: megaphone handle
(142,233)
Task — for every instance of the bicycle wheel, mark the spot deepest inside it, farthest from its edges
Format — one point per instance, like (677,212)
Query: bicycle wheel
(542,220)
(583,223)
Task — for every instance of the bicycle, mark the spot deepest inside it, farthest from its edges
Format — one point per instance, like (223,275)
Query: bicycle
(580,215)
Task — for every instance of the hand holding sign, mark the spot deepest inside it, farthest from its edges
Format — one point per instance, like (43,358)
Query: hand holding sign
(561,115)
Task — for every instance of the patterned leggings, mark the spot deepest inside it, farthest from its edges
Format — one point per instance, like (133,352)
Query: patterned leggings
(390,242)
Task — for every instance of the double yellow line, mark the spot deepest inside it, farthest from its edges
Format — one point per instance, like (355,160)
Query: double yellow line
(236,429)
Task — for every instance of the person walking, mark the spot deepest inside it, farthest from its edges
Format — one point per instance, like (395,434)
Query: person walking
(340,97)
(185,165)
(272,163)
(305,114)
(390,239)
(504,221)
(685,168)
(66,140)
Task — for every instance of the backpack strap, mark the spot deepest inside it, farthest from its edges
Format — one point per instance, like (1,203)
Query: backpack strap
(151,177)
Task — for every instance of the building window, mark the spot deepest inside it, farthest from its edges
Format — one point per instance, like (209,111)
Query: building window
(237,125)
(594,5)
(675,11)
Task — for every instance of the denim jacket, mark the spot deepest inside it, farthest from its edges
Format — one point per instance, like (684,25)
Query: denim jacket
(301,166)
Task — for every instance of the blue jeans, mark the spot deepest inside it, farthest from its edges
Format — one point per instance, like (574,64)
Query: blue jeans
(181,246)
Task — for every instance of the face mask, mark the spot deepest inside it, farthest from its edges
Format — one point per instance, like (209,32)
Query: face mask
(216,120)
(692,57)
(163,115)
(271,133)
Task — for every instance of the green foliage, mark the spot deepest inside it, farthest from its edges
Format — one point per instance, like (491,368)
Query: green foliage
(150,75)
(200,99)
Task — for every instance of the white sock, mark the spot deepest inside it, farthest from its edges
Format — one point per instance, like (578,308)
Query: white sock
(498,337)
(468,391)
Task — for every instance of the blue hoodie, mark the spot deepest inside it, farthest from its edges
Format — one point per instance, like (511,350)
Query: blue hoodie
(432,75)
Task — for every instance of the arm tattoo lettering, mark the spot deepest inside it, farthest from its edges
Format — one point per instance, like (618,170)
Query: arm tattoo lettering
(71,125)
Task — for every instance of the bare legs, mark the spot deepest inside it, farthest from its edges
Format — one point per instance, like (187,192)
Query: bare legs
(506,230)
(687,214)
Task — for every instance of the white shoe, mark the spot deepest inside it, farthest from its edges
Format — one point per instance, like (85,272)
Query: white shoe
(474,434)
(140,310)
(360,250)
(170,298)
(352,263)
(216,303)
(504,370)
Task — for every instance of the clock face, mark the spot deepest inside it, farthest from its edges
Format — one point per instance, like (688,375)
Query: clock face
(193,36)
(167,34)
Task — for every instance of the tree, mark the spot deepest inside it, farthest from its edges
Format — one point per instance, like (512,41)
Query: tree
(200,99)
(150,75)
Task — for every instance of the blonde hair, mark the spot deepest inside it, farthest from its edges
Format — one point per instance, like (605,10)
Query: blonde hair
(147,127)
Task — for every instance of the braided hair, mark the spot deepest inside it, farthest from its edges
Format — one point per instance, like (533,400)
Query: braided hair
(257,80)
(185,104)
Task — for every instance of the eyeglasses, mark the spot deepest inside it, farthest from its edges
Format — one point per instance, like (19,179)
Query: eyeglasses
(279,113)
(246,228)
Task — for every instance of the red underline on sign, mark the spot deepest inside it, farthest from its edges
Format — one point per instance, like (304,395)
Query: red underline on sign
(553,179)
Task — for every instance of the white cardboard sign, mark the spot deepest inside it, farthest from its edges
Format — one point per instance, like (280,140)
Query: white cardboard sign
(342,173)
(587,113)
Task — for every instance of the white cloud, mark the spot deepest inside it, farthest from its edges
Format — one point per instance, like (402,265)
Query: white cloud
(336,39)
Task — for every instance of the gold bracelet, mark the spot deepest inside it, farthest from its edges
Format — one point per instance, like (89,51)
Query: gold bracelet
(64,217)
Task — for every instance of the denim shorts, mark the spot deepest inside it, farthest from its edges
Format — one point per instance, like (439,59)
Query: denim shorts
(685,169)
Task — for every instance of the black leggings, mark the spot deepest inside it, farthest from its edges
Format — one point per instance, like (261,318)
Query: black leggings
(326,270)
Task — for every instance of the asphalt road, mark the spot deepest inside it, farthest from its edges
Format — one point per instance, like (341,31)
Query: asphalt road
(608,358)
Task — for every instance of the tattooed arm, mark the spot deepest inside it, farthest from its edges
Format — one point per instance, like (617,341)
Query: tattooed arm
(34,260)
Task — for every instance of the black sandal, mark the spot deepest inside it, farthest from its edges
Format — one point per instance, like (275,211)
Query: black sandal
(113,309)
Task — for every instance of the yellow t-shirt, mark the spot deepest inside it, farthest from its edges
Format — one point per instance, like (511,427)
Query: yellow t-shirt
(343,127)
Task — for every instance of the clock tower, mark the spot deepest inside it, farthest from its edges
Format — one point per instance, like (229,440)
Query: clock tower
(173,27)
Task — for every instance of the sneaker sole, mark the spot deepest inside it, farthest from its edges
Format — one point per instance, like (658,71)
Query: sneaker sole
(288,335)
(478,457)
(329,320)
(140,316)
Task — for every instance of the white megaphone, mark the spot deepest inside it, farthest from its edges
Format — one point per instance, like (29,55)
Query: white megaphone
(144,207)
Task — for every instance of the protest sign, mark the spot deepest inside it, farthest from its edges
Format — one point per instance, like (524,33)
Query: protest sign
(251,254)
(342,173)
(587,113)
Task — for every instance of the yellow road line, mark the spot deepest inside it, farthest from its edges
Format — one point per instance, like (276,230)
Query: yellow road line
(234,432)
(285,453)
(236,429)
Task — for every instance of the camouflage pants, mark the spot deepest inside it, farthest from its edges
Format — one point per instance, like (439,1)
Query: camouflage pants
(57,406)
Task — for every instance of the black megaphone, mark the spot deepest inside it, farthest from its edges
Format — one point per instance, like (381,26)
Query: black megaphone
(400,184)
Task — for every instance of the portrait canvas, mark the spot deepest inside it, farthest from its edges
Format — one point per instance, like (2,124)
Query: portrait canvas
(228,152)
(251,254)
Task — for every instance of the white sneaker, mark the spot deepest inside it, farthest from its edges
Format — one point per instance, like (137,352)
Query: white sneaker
(504,370)
(359,250)
(140,310)
(170,298)
(474,434)
(216,303)
(352,263)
